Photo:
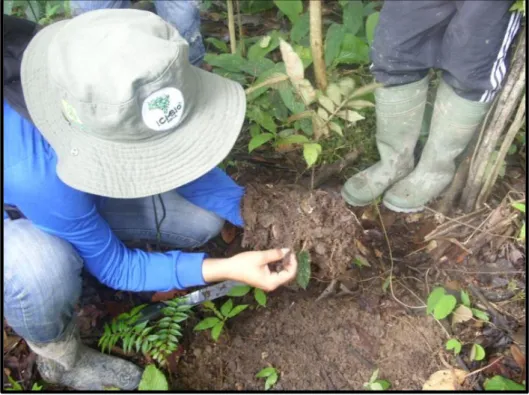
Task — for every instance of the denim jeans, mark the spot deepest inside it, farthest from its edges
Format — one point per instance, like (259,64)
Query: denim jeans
(42,273)
(184,15)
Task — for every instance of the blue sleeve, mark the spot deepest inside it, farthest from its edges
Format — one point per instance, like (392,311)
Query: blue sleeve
(217,192)
(31,183)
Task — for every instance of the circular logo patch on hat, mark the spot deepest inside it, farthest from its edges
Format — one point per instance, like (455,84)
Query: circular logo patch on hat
(163,109)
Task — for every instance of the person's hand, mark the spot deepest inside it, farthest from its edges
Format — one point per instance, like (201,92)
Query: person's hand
(252,268)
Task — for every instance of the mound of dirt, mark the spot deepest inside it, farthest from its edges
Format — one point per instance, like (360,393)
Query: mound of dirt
(292,216)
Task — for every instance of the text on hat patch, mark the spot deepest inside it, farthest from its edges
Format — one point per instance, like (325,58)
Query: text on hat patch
(163,109)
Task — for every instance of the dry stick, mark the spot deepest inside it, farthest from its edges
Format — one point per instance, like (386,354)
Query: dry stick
(231,27)
(502,113)
(499,318)
(451,224)
(316,44)
(506,144)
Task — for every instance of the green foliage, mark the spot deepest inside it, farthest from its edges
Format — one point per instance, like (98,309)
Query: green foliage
(521,207)
(270,374)
(157,339)
(440,304)
(500,383)
(477,352)
(519,6)
(303,274)
(480,314)
(15,386)
(216,323)
(153,379)
(454,344)
(465,298)
(291,8)
(43,11)
(258,294)
(375,384)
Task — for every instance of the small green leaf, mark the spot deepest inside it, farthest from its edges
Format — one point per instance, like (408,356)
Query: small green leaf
(465,298)
(326,103)
(304,269)
(374,376)
(15,385)
(371,24)
(500,383)
(444,307)
(206,323)
(237,310)
(333,42)
(216,331)
(263,118)
(454,344)
(260,296)
(291,8)
(271,381)
(519,206)
(384,383)
(230,62)
(239,290)
(259,140)
(301,28)
(477,352)
(354,50)
(226,307)
(433,298)
(292,139)
(480,314)
(335,128)
(353,14)
(386,284)
(311,152)
(265,41)
(265,372)
(219,44)
(153,380)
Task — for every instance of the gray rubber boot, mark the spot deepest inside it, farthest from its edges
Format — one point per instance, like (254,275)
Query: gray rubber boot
(69,363)
(454,122)
(399,112)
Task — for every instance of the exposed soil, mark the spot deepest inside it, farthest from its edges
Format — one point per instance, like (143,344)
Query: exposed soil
(334,344)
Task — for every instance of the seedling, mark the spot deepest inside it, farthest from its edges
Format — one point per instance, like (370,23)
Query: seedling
(216,324)
(441,305)
(270,374)
(454,344)
(15,386)
(258,294)
(153,379)
(375,384)
(477,352)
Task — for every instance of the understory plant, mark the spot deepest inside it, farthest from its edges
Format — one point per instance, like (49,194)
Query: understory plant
(270,375)
(216,323)
(42,12)
(156,339)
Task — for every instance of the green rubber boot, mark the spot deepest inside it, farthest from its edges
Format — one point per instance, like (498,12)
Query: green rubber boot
(399,112)
(70,363)
(454,122)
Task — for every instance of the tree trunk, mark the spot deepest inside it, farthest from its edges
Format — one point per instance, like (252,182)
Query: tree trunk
(316,44)
(231,27)
(501,115)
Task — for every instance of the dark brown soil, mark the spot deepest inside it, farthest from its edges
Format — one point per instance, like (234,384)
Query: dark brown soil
(291,216)
(334,344)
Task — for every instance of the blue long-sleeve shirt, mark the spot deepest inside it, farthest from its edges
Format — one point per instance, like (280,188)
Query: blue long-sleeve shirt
(32,185)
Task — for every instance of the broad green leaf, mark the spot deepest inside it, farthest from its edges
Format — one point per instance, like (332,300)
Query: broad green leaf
(433,298)
(291,8)
(231,62)
(335,128)
(216,331)
(311,152)
(290,100)
(260,296)
(384,384)
(350,116)
(153,379)
(454,344)
(273,78)
(226,307)
(255,130)
(206,323)
(259,140)
(265,372)
(477,352)
(376,386)
(257,51)
(239,290)
(264,119)
(271,381)
(353,14)
(237,310)
(293,139)
(324,115)
(305,54)
(219,44)
(371,24)
(257,67)
(353,51)
(304,269)
(333,42)
(500,383)
(238,77)
(465,298)
(301,28)
(359,104)
(333,92)
(265,41)
(326,103)
(444,306)
(480,315)
(519,207)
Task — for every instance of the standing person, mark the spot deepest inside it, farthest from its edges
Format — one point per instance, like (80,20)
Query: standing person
(469,42)
(120,141)
(184,15)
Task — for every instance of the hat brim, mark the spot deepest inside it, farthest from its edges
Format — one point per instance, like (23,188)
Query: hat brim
(133,169)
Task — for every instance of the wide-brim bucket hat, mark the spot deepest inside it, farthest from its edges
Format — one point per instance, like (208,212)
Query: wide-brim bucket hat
(128,116)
